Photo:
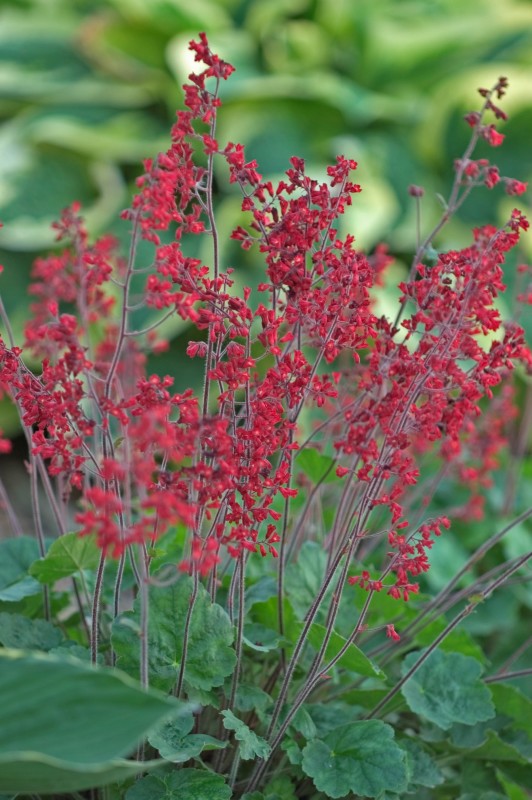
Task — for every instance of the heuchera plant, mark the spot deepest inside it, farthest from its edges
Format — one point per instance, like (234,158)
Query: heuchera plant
(254,550)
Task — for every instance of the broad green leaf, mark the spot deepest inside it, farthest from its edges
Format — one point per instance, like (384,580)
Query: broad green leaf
(28,634)
(353,659)
(67,555)
(303,582)
(316,465)
(250,697)
(522,775)
(303,723)
(305,577)
(494,748)
(65,726)
(328,716)
(513,703)
(357,759)
(210,657)
(259,637)
(458,641)
(292,750)
(16,556)
(185,784)
(513,791)
(280,788)
(260,592)
(447,688)
(35,773)
(422,770)
(251,745)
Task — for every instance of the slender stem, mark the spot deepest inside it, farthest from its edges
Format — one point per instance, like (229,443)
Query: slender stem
(144,619)
(36,508)
(479,553)
(468,609)
(79,602)
(5,503)
(513,658)
(96,599)
(508,676)
(186,634)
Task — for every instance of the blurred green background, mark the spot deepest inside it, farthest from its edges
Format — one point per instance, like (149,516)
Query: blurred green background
(88,88)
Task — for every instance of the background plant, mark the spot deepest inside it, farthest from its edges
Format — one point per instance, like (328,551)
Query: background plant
(223,466)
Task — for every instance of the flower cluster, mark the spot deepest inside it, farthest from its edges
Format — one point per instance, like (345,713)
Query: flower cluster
(304,360)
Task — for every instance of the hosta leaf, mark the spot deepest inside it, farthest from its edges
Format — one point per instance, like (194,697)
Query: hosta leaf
(357,759)
(447,689)
(66,726)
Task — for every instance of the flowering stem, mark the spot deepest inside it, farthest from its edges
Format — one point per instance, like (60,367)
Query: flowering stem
(186,634)
(508,676)
(469,608)
(96,598)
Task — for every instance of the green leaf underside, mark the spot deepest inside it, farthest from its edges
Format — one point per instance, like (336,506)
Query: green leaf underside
(35,773)
(251,745)
(67,555)
(65,726)
(360,758)
(447,689)
(185,784)
(210,657)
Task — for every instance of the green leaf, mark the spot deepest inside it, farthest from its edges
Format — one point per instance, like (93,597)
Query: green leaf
(65,726)
(353,659)
(250,697)
(513,703)
(36,773)
(494,748)
(280,788)
(210,657)
(67,555)
(513,791)
(28,634)
(175,742)
(447,689)
(304,578)
(316,465)
(185,784)
(360,758)
(421,768)
(328,716)
(251,745)
(303,723)
(458,641)
(259,637)
(16,556)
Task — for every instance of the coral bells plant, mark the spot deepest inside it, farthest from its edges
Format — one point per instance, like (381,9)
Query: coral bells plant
(244,565)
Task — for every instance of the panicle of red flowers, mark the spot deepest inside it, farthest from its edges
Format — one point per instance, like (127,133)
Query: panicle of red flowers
(145,458)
